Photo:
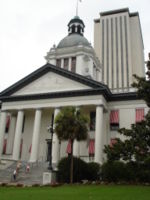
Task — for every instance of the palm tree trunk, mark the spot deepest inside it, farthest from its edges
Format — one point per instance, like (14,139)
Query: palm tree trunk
(71,164)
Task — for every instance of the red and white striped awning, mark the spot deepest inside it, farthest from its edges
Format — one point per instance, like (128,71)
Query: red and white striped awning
(68,150)
(139,115)
(112,142)
(114,117)
(92,146)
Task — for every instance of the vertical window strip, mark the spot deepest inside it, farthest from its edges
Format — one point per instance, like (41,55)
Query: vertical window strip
(58,62)
(102,50)
(126,47)
(112,52)
(66,63)
(117,70)
(121,43)
(107,52)
(73,64)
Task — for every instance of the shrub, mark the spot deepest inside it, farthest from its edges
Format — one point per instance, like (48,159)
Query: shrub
(144,176)
(147,163)
(80,170)
(132,169)
(113,171)
(93,171)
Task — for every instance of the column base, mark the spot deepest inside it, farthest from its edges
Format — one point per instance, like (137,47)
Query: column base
(49,177)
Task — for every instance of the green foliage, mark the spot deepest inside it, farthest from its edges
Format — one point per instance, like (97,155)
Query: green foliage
(143,87)
(117,171)
(93,171)
(135,146)
(71,124)
(113,171)
(80,170)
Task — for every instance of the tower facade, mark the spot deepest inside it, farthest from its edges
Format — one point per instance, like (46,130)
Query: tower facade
(118,44)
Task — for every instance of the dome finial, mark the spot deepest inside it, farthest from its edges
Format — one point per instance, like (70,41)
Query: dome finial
(77,7)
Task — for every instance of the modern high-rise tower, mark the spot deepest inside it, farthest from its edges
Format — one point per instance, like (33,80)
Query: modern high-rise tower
(119,45)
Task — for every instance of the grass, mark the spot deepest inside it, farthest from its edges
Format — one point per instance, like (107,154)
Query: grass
(76,193)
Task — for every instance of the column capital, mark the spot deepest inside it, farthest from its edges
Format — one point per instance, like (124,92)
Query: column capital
(101,105)
(40,109)
(57,108)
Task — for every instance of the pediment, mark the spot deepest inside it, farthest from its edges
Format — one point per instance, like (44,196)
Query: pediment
(50,82)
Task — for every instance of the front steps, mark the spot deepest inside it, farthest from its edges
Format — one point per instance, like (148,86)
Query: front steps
(34,176)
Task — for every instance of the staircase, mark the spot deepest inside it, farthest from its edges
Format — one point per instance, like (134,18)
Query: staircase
(34,176)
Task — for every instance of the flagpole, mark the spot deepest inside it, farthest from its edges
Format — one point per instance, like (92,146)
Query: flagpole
(77,9)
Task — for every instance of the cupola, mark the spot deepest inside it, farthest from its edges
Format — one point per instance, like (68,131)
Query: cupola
(76,25)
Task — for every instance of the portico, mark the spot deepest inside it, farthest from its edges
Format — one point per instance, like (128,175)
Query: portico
(38,116)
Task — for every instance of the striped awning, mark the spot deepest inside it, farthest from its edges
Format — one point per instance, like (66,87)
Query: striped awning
(114,117)
(112,142)
(92,146)
(139,115)
(68,150)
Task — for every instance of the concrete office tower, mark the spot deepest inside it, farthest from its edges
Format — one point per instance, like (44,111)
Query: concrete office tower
(119,46)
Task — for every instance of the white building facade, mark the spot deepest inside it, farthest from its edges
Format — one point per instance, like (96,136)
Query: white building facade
(72,76)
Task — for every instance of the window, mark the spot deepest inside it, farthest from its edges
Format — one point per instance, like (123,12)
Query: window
(114,120)
(66,63)
(92,121)
(73,64)
(139,115)
(58,62)
(7,124)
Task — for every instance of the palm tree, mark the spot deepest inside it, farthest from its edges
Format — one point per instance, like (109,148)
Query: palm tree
(71,124)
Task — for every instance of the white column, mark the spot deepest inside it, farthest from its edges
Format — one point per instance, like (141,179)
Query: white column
(69,68)
(76,148)
(36,136)
(55,143)
(2,130)
(99,135)
(76,144)
(62,63)
(18,132)
(11,135)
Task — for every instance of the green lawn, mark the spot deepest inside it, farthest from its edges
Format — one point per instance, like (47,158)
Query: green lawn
(76,193)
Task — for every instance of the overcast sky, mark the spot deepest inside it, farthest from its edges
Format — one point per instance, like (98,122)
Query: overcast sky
(29,28)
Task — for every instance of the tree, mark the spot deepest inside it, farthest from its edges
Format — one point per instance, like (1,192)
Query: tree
(71,124)
(137,143)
